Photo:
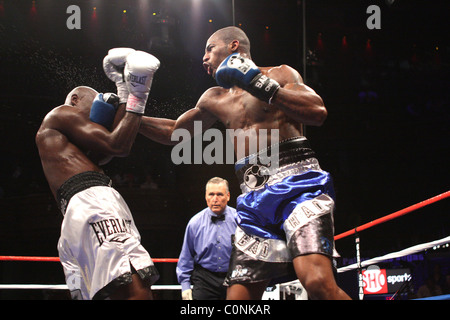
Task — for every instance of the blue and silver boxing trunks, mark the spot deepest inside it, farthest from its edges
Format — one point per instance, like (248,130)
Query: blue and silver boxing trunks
(284,211)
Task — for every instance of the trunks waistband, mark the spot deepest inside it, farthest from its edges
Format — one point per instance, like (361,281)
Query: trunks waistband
(290,151)
(78,183)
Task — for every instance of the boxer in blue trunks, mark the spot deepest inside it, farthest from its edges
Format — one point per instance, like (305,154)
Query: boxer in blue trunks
(285,213)
(281,215)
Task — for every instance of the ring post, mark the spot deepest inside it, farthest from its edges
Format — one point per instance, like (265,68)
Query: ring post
(358,261)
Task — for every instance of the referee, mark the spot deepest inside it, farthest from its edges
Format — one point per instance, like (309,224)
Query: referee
(205,255)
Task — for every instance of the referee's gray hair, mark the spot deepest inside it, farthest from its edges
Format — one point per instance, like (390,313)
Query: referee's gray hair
(218,180)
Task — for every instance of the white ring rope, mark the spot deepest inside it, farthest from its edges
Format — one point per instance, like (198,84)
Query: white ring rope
(64,287)
(402,253)
(393,255)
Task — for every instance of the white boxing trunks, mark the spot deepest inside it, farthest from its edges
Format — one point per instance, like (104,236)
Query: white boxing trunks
(99,246)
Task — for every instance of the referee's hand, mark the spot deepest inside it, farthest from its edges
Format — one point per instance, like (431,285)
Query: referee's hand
(186,294)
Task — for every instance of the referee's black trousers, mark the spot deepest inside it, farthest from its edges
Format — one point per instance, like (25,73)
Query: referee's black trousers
(208,285)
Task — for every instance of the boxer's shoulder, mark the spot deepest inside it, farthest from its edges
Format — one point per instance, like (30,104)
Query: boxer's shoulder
(61,116)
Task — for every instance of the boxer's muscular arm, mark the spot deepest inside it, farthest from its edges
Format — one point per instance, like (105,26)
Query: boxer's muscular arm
(295,99)
(91,136)
(120,113)
(161,129)
(157,129)
(281,86)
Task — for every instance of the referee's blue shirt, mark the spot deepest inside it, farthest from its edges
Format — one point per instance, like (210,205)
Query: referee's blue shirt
(207,244)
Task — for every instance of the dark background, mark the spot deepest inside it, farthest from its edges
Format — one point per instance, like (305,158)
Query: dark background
(385,140)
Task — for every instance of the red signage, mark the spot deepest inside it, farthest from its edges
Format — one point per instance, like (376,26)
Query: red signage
(374,281)
(381,281)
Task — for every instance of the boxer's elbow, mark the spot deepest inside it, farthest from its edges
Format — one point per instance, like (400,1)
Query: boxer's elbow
(120,151)
(321,115)
(124,153)
(316,114)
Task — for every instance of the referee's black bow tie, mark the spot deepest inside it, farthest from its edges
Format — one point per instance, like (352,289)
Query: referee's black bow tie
(220,217)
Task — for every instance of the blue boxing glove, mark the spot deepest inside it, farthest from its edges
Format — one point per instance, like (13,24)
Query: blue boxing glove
(104,109)
(236,70)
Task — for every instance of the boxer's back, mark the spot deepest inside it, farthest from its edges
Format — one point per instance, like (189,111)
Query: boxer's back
(60,158)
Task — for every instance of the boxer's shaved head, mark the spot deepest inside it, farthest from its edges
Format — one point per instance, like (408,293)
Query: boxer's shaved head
(229,34)
(83,93)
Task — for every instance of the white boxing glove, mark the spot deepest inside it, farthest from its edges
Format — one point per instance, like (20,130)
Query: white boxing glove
(139,71)
(113,65)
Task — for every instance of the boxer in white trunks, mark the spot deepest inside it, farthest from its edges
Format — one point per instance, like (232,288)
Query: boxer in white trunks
(99,246)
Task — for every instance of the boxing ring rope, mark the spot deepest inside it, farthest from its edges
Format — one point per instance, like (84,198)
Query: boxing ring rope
(56,259)
(394,215)
(355,231)
(63,286)
(384,219)
(393,255)
(418,248)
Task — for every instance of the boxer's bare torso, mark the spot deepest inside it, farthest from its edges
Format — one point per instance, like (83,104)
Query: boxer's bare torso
(69,143)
